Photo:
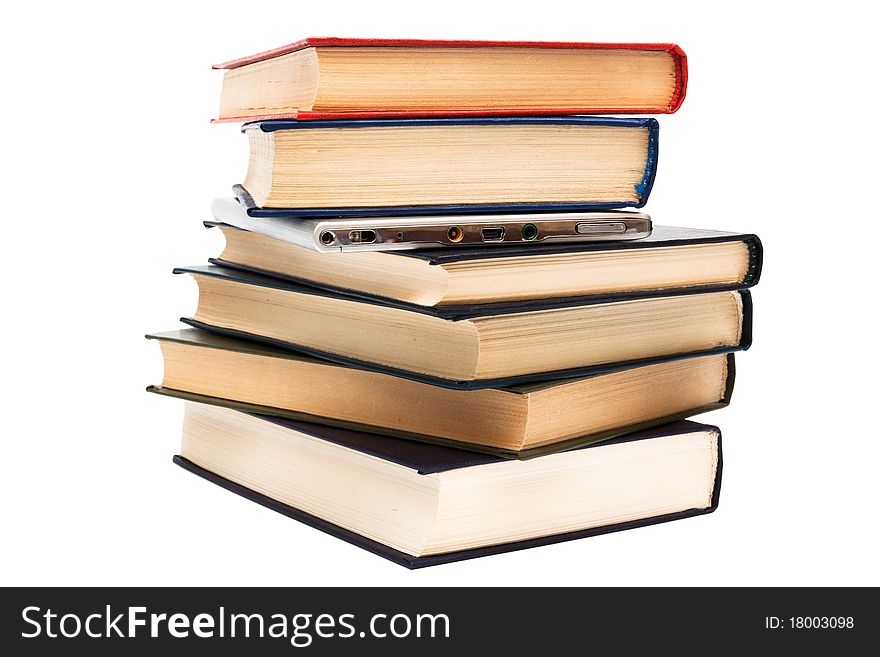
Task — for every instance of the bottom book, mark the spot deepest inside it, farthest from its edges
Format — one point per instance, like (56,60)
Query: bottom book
(421,505)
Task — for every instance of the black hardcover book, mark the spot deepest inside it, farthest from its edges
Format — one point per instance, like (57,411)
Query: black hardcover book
(421,505)
(453,279)
(475,346)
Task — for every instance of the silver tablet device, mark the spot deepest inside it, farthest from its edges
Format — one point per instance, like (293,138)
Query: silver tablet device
(421,232)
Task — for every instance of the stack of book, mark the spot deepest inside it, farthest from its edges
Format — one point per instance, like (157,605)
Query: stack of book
(503,388)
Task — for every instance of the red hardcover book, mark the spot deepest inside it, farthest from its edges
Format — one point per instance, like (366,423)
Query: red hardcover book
(332,78)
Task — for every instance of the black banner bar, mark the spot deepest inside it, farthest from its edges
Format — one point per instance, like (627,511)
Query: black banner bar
(320,621)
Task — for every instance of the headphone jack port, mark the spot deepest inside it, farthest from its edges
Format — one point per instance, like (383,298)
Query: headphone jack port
(529,232)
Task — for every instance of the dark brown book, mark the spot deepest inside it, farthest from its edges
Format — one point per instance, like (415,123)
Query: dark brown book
(521,421)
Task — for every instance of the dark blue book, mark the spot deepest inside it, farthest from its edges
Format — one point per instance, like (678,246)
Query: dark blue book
(456,165)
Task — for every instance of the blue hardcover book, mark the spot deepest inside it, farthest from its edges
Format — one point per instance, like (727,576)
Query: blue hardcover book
(455,165)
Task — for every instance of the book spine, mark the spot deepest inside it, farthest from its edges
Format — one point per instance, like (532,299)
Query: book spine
(643,188)
(756,260)
(746,334)
(681,77)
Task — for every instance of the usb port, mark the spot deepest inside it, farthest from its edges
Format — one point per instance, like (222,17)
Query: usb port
(493,234)
(362,236)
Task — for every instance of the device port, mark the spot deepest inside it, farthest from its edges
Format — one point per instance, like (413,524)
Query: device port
(455,233)
(327,238)
(529,232)
(362,236)
(493,234)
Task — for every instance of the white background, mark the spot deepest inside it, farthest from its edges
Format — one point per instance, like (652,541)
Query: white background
(109,165)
